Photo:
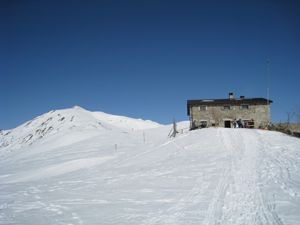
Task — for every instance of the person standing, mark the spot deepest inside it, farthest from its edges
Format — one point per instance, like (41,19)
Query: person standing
(234,123)
(240,123)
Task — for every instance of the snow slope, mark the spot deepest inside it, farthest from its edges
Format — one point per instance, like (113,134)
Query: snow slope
(94,169)
(73,122)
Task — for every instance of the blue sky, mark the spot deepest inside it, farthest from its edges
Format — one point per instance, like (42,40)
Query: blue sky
(145,58)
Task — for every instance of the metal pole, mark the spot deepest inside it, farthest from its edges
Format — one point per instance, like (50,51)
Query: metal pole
(268,83)
(268,102)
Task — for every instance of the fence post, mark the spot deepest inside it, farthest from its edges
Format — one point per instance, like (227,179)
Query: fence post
(174,126)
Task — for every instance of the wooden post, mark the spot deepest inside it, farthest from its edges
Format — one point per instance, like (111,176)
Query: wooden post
(116,147)
(174,127)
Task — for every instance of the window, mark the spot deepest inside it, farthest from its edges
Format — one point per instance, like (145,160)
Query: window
(202,107)
(244,106)
(226,107)
(202,124)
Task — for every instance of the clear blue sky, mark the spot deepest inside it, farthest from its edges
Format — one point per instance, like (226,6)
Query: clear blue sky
(145,58)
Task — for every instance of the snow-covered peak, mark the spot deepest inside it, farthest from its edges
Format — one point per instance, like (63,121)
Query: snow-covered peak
(61,122)
(78,107)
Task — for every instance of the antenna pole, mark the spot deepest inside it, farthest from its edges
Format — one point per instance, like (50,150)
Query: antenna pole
(268,102)
(268,83)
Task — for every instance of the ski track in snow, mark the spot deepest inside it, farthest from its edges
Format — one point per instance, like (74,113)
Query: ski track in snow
(238,196)
(209,176)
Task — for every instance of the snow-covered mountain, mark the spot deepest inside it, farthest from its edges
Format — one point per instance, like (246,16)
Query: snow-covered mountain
(69,121)
(78,167)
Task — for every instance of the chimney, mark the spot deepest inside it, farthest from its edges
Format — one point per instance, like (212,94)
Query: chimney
(230,95)
(242,97)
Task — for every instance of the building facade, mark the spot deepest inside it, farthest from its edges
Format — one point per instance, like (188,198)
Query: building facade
(222,112)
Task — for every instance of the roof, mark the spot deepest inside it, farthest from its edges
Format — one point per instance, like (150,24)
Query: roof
(234,101)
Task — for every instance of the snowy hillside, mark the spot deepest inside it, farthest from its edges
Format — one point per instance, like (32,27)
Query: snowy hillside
(95,168)
(57,122)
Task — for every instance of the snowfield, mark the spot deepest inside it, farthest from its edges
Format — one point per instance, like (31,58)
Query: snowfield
(73,166)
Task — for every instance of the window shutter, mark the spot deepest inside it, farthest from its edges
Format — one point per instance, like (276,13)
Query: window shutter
(241,107)
(249,106)
(230,107)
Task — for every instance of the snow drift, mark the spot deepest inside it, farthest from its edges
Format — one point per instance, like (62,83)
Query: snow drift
(82,167)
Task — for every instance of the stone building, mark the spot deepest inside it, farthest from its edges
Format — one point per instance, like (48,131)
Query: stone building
(221,112)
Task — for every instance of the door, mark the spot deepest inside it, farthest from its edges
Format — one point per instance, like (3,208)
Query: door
(227,123)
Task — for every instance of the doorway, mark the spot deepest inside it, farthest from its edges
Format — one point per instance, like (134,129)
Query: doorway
(227,123)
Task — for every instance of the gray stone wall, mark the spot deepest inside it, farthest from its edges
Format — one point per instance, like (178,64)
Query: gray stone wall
(293,127)
(216,115)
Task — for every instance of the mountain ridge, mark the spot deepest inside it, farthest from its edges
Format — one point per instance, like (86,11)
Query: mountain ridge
(67,120)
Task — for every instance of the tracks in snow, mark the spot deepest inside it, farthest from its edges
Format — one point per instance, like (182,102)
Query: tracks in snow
(239,198)
(210,176)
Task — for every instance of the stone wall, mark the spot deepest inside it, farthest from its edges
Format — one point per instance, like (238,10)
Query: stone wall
(293,127)
(216,115)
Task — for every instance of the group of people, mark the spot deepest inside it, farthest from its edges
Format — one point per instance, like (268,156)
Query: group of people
(244,124)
